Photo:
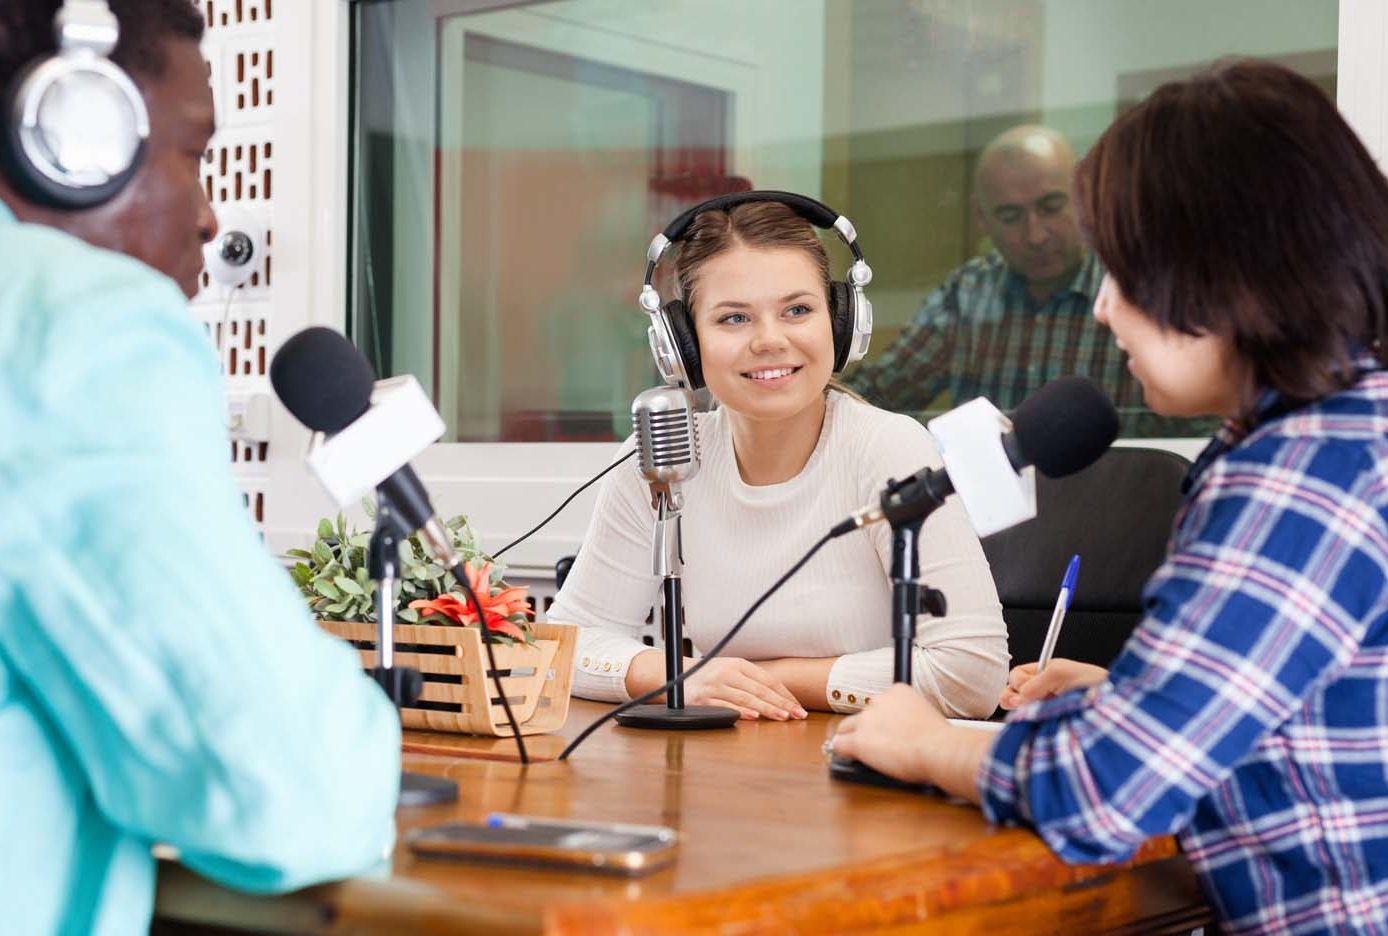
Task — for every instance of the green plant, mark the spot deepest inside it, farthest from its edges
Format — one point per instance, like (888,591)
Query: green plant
(333,577)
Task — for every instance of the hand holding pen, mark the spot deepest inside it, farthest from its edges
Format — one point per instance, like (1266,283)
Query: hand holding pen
(1032,681)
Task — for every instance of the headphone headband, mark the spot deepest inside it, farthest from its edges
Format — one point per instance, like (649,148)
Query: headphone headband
(815,212)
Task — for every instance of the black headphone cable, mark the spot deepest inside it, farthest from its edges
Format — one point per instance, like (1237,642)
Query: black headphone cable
(702,661)
(539,526)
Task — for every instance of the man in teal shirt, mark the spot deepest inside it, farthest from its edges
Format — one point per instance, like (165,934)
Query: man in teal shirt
(159,678)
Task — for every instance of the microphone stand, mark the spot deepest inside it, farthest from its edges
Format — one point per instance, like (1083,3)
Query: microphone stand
(909,599)
(402,685)
(667,561)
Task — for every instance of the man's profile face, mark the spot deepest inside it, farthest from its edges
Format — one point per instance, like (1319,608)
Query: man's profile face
(1024,205)
(162,217)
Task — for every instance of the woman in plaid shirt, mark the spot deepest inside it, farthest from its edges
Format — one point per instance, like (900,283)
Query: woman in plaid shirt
(1245,231)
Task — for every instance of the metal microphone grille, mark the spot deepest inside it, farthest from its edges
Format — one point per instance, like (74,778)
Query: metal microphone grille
(671,443)
(667,438)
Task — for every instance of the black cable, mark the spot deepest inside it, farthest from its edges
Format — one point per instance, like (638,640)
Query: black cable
(461,574)
(537,527)
(702,661)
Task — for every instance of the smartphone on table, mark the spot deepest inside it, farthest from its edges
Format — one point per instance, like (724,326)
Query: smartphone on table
(586,846)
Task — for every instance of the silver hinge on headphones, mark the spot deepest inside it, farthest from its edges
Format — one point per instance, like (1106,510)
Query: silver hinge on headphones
(657,248)
(86,26)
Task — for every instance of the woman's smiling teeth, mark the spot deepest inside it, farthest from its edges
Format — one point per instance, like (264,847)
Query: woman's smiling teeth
(771,373)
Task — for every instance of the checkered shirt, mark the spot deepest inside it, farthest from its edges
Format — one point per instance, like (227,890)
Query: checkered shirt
(1249,710)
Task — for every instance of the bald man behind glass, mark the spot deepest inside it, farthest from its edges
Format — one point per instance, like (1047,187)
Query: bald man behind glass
(1003,324)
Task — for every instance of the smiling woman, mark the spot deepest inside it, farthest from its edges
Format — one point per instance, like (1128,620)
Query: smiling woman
(784,457)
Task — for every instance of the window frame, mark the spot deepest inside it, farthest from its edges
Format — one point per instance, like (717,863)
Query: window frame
(507,487)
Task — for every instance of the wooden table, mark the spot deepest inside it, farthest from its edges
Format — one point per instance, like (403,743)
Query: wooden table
(768,845)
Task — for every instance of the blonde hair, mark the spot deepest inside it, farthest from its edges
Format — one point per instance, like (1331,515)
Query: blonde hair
(761,224)
(836,385)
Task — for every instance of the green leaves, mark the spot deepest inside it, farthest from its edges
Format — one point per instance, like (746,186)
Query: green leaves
(333,577)
(348,585)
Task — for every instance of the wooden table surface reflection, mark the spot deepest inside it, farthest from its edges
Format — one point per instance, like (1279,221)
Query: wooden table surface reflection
(768,845)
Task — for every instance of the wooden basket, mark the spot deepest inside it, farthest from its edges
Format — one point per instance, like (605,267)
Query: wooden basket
(458,691)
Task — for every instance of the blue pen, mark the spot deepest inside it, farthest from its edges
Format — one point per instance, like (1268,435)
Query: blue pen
(1062,604)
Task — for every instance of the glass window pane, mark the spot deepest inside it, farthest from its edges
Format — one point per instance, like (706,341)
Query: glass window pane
(512,164)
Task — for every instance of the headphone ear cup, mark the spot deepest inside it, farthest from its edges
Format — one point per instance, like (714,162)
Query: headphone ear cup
(841,321)
(686,342)
(51,185)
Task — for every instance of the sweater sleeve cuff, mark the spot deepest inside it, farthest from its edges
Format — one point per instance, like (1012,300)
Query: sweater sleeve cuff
(601,667)
(856,677)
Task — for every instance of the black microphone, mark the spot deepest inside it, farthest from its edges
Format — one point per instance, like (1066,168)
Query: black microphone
(1062,427)
(326,383)
(322,379)
(1059,429)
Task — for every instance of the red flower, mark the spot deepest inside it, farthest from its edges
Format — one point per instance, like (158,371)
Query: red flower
(496,605)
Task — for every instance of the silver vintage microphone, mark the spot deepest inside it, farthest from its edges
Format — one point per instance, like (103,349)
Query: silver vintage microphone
(667,447)
(667,454)
(667,438)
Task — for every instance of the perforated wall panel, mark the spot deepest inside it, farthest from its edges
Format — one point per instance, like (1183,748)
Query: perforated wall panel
(233,14)
(238,170)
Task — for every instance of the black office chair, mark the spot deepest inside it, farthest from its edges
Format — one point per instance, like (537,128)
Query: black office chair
(1117,515)
(561,570)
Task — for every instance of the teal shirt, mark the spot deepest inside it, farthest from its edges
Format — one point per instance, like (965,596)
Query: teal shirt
(160,680)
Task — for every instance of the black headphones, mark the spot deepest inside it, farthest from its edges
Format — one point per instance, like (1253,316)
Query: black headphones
(673,342)
(75,124)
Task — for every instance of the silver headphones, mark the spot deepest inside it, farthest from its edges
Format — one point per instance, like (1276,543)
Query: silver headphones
(76,125)
(674,345)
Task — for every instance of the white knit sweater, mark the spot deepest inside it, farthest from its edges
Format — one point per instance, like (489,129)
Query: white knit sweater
(740,538)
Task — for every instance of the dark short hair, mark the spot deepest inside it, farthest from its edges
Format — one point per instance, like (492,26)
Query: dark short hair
(1239,203)
(26,33)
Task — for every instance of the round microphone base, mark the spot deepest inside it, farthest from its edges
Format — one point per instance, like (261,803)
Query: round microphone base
(852,771)
(426,790)
(689,718)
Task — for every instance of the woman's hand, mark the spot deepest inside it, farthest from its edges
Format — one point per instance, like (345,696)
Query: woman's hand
(1025,685)
(742,685)
(892,734)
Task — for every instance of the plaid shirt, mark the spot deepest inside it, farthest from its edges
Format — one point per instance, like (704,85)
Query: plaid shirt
(982,334)
(1249,710)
